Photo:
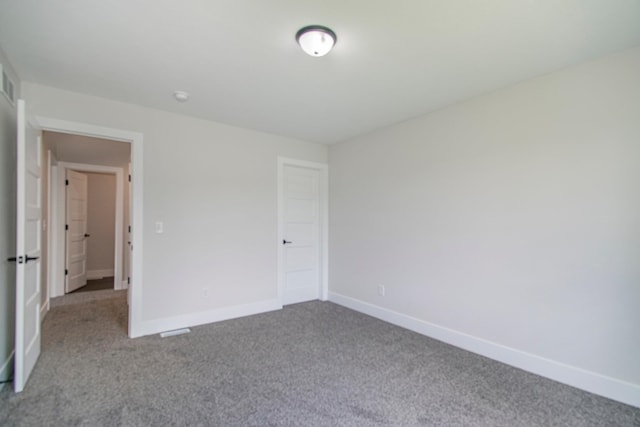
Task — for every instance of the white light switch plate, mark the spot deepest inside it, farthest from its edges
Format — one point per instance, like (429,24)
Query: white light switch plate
(159,227)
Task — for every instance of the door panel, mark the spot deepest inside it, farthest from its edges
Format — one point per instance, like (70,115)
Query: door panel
(28,241)
(76,259)
(301,258)
(301,228)
(300,233)
(301,211)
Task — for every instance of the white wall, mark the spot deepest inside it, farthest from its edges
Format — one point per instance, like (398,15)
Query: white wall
(101,211)
(511,219)
(214,187)
(7,223)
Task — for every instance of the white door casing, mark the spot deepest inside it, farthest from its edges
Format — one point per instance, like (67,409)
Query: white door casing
(28,241)
(302,223)
(136,139)
(59,205)
(76,236)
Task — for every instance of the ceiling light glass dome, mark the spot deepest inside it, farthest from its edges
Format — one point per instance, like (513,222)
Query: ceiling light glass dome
(316,40)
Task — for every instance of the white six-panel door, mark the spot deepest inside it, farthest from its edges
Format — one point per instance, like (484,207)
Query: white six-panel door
(28,241)
(76,259)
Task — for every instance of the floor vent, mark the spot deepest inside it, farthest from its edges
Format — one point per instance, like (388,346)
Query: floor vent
(176,332)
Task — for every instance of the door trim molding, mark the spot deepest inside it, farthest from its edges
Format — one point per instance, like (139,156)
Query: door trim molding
(119,204)
(136,141)
(323,168)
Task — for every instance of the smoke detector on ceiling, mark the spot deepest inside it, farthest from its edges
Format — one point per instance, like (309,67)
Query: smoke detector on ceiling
(181,96)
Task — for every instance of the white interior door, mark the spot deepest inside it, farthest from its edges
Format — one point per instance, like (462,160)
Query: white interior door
(28,241)
(301,237)
(76,225)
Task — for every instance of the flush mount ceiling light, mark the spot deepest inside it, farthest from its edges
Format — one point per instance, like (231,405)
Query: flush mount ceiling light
(316,40)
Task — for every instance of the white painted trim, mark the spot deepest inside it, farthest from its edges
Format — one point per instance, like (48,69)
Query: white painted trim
(77,128)
(324,209)
(118,240)
(123,286)
(136,140)
(7,367)
(101,274)
(44,309)
(323,168)
(58,234)
(19,359)
(593,382)
(50,265)
(150,327)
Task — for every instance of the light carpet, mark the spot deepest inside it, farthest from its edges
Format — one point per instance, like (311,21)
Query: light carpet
(310,364)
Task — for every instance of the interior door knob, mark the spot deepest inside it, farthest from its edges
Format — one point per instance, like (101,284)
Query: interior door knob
(285,242)
(87,235)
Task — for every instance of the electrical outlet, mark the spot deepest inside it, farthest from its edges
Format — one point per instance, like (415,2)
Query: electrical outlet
(205,292)
(381,290)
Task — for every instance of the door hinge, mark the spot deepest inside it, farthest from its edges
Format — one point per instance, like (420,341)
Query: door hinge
(129,178)
(66,182)
(66,272)
(66,226)
(129,229)
(128,280)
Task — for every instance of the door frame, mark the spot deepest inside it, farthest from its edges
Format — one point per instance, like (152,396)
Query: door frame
(59,206)
(136,197)
(323,170)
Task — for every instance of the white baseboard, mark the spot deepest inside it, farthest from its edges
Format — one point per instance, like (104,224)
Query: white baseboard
(6,370)
(123,285)
(99,274)
(586,380)
(150,327)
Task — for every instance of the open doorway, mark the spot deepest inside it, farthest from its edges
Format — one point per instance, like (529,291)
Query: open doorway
(132,179)
(87,191)
(90,221)
(107,166)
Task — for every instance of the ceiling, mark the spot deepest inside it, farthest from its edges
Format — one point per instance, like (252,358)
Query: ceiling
(394,60)
(87,150)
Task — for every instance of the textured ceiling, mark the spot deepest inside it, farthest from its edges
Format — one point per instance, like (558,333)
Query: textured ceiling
(394,60)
